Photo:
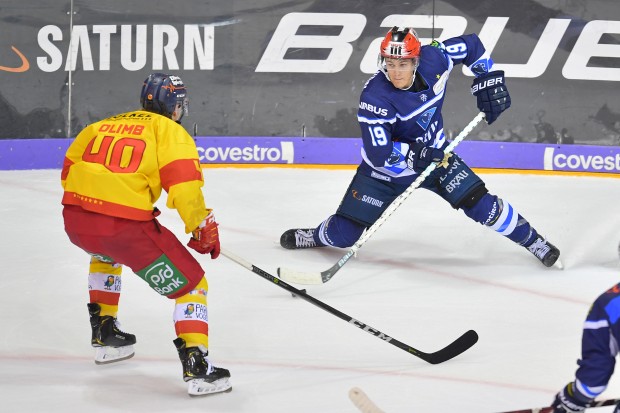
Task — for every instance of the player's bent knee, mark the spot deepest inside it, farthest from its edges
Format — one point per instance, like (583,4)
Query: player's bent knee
(341,231)
(472,198)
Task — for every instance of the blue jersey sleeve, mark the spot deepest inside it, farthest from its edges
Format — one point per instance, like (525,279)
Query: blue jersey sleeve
(599,345)
(469,50)
(376,117)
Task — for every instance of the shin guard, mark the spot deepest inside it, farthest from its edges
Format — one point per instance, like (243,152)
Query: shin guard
(104,285)
(338,231)
(191,321)
(501,217)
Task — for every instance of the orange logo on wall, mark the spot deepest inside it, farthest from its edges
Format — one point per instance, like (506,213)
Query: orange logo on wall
(25,64)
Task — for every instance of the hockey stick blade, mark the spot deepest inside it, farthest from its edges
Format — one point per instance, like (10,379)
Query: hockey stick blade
(316,278)
(458,346)
(363,402)
(601,403)
(455,348)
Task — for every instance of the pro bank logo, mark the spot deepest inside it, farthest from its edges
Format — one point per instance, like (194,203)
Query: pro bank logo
(284,153)
(582,159)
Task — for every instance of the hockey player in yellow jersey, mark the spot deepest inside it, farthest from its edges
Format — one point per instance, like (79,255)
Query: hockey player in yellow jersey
(113,174)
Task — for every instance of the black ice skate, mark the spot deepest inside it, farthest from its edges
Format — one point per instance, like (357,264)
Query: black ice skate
(203,377)
(298,238)
(110,342)
(545,251)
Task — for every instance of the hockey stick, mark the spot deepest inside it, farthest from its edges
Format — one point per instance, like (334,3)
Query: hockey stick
(453,349)
(363,402)
(314,278)
(549,409)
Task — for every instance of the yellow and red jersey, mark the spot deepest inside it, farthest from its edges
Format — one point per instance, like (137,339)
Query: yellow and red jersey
(118,167)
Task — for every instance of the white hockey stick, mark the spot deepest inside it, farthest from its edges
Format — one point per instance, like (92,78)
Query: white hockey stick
(315,278)
(363,402)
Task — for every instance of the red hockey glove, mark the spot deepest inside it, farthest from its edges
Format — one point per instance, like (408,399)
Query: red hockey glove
(206,238)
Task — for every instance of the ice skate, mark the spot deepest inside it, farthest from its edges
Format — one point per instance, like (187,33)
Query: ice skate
(203,377)
(298,238)
(110,342)
(545,251)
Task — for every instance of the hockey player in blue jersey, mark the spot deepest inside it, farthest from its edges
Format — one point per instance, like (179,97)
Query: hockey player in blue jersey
(599,347)
(402,132)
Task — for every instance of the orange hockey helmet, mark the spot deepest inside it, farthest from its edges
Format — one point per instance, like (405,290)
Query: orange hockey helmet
(400,43)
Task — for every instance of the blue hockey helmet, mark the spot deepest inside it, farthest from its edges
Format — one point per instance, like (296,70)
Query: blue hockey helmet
(165,94)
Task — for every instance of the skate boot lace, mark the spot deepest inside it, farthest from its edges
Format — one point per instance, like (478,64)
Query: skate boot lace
(304,238)
(539,248)
(117,325)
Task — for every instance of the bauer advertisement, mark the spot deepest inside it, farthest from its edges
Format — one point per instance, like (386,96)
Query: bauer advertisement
(269,68)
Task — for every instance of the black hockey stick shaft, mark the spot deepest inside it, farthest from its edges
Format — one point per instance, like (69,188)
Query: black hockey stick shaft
(549,409)
(455,348)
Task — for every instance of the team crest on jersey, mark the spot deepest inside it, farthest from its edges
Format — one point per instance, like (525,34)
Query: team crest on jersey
(481,66)
(426,117)
(394,157)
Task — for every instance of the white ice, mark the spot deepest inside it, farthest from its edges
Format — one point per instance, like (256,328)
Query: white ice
(427,276)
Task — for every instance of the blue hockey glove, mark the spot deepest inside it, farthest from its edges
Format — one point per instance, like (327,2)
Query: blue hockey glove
(492,94)
(570,400)
(420,156)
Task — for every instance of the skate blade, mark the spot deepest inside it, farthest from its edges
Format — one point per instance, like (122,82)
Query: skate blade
(107,354)
(200,387)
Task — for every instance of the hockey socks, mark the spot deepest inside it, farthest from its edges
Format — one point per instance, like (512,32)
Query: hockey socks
(338,231)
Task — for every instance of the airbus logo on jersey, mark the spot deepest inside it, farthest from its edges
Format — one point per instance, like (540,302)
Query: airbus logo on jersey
(374,109)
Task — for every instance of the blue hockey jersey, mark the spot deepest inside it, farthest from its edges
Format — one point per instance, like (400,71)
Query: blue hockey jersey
(391,118)
(599,346)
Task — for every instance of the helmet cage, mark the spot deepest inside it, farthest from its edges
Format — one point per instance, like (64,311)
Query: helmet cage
(165,94)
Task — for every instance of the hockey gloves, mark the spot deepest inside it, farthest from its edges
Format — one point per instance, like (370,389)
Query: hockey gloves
(206,238)
(493,98)
(570,400)
(420,156)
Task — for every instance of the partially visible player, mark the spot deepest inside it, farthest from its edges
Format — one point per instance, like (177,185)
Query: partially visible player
(599,348)
(402,132)
(112,175)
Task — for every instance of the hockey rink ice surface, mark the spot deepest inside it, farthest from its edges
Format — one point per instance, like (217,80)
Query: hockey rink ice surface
(425,277)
